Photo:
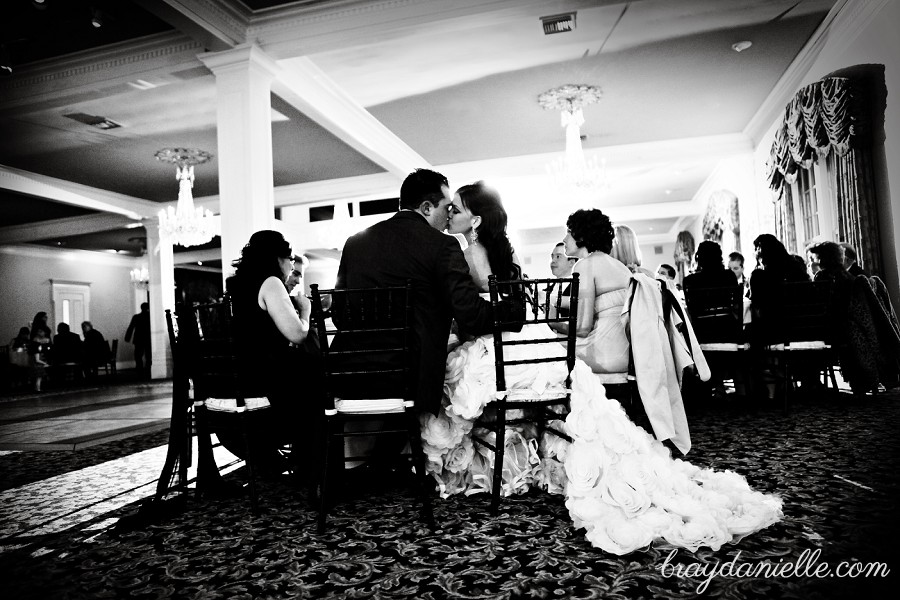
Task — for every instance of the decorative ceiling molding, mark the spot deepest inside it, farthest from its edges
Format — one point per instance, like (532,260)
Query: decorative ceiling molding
(81,256)
(301,30)
(215,25)
(67,192)
(92,71)
(45,230)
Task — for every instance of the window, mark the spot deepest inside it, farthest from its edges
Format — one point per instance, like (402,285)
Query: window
(808,203)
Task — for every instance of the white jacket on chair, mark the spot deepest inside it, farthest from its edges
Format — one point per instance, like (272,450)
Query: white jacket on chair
(660,354)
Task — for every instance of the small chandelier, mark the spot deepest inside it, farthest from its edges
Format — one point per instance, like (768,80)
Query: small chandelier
(572,169)
(140,277)
(186,225)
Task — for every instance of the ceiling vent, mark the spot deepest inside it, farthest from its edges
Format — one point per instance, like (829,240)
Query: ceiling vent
(559,23)
(98,122)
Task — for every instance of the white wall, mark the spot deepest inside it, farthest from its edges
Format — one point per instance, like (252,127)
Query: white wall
(25,273)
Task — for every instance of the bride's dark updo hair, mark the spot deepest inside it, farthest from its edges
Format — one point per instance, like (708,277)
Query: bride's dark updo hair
(484,201)
(259,257)
(591,229)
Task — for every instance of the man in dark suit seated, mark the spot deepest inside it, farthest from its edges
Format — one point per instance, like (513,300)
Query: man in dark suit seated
(410,246)
(850,260)
(561,268)
(68,348)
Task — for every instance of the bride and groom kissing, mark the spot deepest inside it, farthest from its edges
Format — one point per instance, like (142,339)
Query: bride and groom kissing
(446,282)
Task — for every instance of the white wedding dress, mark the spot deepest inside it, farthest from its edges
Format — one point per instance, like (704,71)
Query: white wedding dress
(621,485)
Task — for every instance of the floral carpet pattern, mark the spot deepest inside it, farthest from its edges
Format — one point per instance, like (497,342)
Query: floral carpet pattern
(834,462)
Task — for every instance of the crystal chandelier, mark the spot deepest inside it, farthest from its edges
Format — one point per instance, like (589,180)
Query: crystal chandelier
(186,225)
(140,277)
(572,169)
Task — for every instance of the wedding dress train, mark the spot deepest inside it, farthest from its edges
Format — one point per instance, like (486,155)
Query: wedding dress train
(621,485)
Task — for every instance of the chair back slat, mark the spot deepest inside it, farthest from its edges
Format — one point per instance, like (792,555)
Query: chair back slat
(717,314)
(804,306)
(521,302)
(204,346)
(365,336)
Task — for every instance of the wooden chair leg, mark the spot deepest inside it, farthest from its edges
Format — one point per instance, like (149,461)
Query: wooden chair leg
(249,461)
(422,478)
(499,447)
(324,486)
(208,477)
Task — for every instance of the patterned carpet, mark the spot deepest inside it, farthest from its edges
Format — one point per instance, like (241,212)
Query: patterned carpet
(834,461)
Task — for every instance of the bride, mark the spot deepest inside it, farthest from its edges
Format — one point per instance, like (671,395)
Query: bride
(621,485)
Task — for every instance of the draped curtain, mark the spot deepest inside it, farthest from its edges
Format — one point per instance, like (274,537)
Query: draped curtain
(826,120)
(785,226)
(722,222)
(855,192)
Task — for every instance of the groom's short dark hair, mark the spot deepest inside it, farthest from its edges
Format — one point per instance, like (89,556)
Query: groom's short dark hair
(421,185)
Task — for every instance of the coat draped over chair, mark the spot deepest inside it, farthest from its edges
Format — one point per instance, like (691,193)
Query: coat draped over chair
(663,349)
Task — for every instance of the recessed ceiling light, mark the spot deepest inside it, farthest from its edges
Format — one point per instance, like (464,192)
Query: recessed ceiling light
(200,263)
(741,46)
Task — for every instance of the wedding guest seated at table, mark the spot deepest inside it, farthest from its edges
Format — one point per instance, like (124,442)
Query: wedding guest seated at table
(96,350)
(868,347)
(625,249)
(270,329)
(775,267)
(40,329)
(850,259)
(21,340)
(711,271)
(603,289)
(736,265)
(67,346)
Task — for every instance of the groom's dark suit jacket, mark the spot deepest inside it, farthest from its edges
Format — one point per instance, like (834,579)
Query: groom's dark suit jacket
(405,247)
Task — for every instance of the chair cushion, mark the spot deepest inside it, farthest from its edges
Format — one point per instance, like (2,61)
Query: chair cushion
(724,347)
(230,404)
(371,406)
(530,395)
(810,345)
(613,378)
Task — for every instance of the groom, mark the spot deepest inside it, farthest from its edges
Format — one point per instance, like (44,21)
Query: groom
(411,246)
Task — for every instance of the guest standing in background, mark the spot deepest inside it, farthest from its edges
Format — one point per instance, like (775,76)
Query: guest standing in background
(138,333)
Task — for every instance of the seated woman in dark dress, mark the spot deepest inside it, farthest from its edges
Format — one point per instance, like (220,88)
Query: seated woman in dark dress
(775,267)
(711,271)
(271,329)
(868,347)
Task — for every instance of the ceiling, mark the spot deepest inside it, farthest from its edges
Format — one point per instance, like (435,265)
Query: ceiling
(453,84)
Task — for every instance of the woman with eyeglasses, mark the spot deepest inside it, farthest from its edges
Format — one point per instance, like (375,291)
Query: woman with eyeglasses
(270,328)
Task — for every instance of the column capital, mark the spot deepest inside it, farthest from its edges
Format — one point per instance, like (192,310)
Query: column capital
(238,58)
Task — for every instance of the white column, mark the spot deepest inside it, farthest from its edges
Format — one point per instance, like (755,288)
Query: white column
(246,197)
(162,297)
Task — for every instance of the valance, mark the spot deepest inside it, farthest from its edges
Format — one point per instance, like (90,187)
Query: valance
(822,117)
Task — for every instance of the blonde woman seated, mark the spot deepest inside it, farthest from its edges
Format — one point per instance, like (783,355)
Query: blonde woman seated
(626,250)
